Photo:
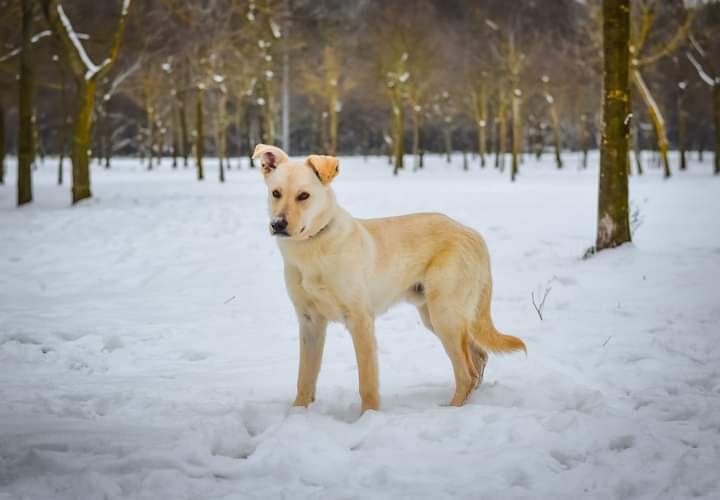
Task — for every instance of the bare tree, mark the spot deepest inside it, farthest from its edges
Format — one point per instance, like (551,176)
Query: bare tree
(87,74)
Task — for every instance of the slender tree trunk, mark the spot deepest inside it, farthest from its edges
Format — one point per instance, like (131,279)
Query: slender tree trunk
(150,114)
(332,120)
(465,159)
(175,133)
(268,128)
(222,134)
(447,135)
(502,131)
(517,128)
(398,133)
(2,143)
(416,137)
(636,147)
(584,139)
(25,128)
(482,126)
(184,136)
(613,226)
(108,131)
(682,125)
(716,119)
(655,116)
(556,135)
(200,139)
(82,133)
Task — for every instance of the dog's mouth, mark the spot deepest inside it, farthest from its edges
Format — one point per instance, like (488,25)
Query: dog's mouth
(282,233)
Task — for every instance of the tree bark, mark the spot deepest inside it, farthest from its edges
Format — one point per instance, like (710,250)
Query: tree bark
(398,126)
(636,146)
(222,134)
(26,148)
(584,139)
(82,131)
(200,135)
(613,226)
(481,119)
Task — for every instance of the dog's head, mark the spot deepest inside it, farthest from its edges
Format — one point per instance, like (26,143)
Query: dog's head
(300,199)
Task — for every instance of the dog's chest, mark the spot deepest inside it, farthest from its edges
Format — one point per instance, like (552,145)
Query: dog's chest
(323,295)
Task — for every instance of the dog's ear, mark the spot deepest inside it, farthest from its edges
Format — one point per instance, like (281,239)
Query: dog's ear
(270,157)
(325,167)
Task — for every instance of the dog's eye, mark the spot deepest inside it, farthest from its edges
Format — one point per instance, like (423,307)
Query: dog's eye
(276,194)
(303,196)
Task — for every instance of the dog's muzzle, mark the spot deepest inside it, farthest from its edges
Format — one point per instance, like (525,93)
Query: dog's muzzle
(278,226)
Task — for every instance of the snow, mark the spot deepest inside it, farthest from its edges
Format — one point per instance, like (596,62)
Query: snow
(149,349)
(91,68)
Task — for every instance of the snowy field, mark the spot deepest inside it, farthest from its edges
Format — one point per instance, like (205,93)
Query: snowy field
(148,348)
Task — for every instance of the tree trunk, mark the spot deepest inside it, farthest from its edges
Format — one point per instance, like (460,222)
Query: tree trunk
(517,128)
(613,227)
(25,127)
(502,132)
(2,143)
(184,137)
(175,133)
(584,139)
(268,128)
(447,135)
(332,121)
(716,119)
(636,147)
(150,114)
(398,138)
(682,126)
(556,135)
(82,131)
(222,134)
(655,116)
(416,137)
(482,126)
(200,135)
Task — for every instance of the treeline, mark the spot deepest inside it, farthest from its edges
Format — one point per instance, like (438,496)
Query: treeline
(190,78)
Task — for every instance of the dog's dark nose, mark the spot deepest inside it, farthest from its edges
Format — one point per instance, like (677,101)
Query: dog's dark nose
(279,225)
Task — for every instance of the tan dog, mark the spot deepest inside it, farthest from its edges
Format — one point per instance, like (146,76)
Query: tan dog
(338,268)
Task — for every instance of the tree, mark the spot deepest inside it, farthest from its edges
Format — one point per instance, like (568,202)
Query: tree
(648,16)
(613,226)
(87,74)
(708,71)
(26,147)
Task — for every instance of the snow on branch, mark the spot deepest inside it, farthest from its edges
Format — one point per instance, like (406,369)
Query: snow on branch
(700,70)
(90,68)
(34,39)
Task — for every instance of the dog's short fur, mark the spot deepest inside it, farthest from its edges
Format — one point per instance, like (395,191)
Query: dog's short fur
(338,268)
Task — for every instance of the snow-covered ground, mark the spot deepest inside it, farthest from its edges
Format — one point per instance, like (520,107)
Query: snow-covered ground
(148,348)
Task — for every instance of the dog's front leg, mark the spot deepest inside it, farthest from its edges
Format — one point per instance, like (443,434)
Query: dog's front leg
(362,329)
(312,341)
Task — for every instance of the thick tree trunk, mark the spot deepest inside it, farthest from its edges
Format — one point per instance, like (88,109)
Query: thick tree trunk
(655,116)
(26,149)
(82,132)
(613,226)
(200,135)
(2,143)
(716,119)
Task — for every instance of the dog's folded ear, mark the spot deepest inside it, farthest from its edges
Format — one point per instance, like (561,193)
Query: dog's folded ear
(270,157)
(325,167)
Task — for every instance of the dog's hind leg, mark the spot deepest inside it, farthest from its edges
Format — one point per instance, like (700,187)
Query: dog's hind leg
(425,317)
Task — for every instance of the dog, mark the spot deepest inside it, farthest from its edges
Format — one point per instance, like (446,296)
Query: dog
(338,268)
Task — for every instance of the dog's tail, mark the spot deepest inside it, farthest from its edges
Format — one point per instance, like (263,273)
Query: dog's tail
(492,340)
(485,333)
